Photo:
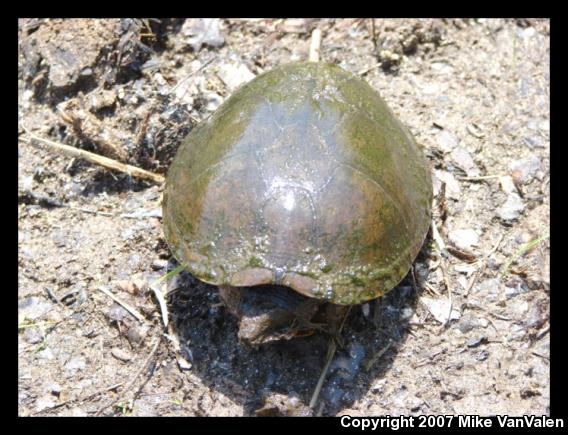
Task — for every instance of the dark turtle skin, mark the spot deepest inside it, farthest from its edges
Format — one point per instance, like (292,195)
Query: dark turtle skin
(303,178)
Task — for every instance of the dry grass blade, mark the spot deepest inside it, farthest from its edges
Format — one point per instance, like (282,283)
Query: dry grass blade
(126,306)
(521,251)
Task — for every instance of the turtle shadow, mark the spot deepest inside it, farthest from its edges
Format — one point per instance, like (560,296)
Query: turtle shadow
(372,337)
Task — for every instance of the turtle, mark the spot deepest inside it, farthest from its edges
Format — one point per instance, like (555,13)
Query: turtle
(300,196)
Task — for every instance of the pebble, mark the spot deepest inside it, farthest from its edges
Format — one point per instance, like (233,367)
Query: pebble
(33,308)
(234,74)
(534,142)
(476,341)
(440,309)
(468,323)
(46,354)
(212,101)
(464,238)
(511,209)
(453,189)
(515,287)
(447,141)
(44,402)
(33,336)
(202,31)
(406,313)
(117,313)
(120,354)
(27,182)
(159,264)
(101,99)
(481,355)
(526,33)
(462,158)
(524,170)
(507,184)
(489,289)
(74,365)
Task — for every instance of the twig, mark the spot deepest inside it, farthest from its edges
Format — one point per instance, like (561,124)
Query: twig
(368,69)
(315,45)
(136,375)
(374,34)
(378,355)
(69,151)
(438,238)
(124,304)
(449,288)
(329,357)
(178,84)
(480,178)
(80,399)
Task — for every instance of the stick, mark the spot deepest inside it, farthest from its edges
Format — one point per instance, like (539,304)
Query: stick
(80,399)
(69,151)
(330,353)
(315,46)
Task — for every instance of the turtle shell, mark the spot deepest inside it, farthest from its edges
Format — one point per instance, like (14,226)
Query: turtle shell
(303,178)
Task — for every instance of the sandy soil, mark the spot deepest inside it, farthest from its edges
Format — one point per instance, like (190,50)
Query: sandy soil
(472,338)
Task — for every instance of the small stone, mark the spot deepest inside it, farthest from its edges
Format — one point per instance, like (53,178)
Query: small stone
(524,170)
(27,182)
(515,287)
(74,365)
(440,309)
(117,313)
(511,209)
(489,289)
(235,74)
(120,354)
(54,388)
(183,363)
(212,101)
(476,341)
(33,308)
(202,31)
(526,33)
(507,184)
(44,402)
(462,158)
(159,264)
(467,324)
(481,355)
(534,142)
(406,313)
(125,285)
(102,99)
(135,335)
(46,354)
(464,238)
(33,336)
(453,189)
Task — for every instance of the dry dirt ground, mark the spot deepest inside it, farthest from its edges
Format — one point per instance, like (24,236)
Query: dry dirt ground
(472,337)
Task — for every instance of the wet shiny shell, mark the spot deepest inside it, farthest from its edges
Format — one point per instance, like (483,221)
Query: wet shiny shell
(302,178)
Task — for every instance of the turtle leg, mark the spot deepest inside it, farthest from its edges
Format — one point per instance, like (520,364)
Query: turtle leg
(268,313)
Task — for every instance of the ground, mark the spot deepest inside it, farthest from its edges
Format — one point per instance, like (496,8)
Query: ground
(468,335)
